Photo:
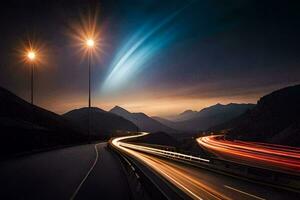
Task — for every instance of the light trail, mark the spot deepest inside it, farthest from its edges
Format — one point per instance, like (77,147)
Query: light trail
(256,154)
(155,151)
(163,152)
(182,177)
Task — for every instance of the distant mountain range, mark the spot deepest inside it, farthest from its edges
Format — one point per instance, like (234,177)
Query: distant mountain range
(103,123)
(186,115)
(274,119)
(205,118)
(25,127)
(144,122)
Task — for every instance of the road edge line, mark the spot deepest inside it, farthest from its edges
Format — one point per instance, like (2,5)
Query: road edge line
(87,175)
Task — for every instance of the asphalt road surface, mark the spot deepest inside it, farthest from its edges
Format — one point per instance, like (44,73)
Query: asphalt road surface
(204,184)
(80,172)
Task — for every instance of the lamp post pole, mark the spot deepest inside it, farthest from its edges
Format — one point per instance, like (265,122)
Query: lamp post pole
(31,56)
(89,117)
(90,45)
(32,72)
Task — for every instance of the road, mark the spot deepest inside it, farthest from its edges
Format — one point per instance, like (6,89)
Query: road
(276,157)
(80,172)
(200,183)
(93,172)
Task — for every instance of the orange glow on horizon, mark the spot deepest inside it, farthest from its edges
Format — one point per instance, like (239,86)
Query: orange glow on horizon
(150,105)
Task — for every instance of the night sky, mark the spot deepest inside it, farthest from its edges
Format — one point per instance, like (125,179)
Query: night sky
(157,57)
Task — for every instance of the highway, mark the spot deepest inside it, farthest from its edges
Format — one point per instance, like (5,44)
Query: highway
(93,172)
(195,182)
(276,157)
(79,172)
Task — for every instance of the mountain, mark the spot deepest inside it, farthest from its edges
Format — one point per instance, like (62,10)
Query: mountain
(158,138)
(102,123)
(164,121)
(208,117)
(186,115)
(25,127)
(274,119)
(144,122)
(187,144)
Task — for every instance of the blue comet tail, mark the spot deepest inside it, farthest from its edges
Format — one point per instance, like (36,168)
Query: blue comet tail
(139,48)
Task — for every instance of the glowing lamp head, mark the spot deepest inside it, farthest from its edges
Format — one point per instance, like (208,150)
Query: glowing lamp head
(31,55)
(90,43)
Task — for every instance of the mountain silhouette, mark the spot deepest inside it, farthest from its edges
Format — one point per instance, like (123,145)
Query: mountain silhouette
(102,123)
(207,117)
(274,119)
(144,122)
(158,138)
(25,127)
(186,115)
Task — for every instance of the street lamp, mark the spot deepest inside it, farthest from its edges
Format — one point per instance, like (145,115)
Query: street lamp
(86,35)
(90,43)
(31,56)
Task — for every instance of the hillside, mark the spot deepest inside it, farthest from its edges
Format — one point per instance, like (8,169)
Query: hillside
(144,122)
(274,119)
(25,127)
(185,115)
(185,145)
(208,117)
(103,123)
(158,138)
(164,121)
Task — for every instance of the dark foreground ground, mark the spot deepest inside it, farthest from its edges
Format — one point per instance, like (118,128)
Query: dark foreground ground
(58,174)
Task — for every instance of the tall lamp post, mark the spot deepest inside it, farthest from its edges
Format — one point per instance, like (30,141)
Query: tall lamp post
(90,43)
(31,55)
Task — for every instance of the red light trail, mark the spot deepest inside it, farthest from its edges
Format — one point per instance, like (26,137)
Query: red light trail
(264,155)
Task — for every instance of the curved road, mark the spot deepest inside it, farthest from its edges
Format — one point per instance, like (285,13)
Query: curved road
(276,157)
(92,172)
(200,183)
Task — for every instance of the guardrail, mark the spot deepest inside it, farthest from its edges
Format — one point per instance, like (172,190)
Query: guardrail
(165,153)
(142,185)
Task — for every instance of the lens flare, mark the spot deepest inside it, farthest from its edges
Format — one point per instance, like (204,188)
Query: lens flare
(85,33)
(33,51)
(90,43)
(31,55)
